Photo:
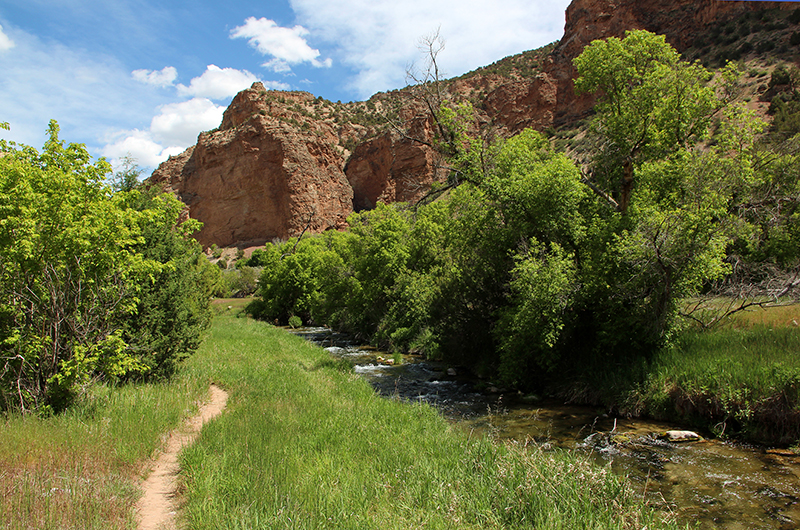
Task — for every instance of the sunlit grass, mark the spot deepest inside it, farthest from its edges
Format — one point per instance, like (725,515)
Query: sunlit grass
(80,469)
(306,444)
(739,379)
(734,381)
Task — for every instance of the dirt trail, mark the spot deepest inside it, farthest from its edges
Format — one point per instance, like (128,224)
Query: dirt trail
(156,509)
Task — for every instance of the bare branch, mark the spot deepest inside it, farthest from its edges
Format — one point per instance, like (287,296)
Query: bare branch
(585,179)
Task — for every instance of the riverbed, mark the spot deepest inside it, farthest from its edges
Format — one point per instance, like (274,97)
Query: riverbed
(716,484)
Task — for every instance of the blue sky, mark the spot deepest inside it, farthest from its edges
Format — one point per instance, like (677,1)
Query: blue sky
(144,77)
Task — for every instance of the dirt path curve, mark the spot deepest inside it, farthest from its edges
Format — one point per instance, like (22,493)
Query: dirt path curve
(156,509)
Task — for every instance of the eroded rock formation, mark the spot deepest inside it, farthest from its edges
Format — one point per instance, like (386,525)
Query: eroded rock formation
(283,162)
(259,176)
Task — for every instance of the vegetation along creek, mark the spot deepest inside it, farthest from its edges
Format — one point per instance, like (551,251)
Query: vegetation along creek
(578,271)
(718,484)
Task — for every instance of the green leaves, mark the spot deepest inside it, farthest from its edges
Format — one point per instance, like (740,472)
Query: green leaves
(543,285)
(650,104)
(73,270)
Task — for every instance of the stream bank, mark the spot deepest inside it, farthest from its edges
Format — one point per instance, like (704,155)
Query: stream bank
(717,484)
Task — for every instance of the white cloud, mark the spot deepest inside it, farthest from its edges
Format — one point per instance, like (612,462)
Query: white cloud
(138,145)
(276,85)
(175,126)
(381,41)
(287,46)
(278,66)
(179,124)
(218,83)
(5,42)
(161,78)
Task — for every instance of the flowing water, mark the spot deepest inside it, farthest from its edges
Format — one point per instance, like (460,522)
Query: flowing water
(716,484)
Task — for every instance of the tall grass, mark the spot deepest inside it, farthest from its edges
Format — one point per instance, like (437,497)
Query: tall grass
(304,443)
(740,380)
(80,469)
(737,380)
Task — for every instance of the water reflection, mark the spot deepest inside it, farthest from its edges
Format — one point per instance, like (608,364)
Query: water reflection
(718,485)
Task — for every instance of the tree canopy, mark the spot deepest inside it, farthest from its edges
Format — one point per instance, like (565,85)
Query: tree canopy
(523,268)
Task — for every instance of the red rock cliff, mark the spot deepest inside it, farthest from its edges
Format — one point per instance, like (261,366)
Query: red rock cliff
(260,176)
(278,163)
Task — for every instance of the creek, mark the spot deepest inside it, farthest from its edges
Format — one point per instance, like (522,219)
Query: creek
(716,484)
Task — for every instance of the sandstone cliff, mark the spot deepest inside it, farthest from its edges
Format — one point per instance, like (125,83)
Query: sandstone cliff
(283,162)
(263,174)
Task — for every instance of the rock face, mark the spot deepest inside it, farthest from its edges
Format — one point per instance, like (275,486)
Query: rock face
(393,168)
(681,21)
(284,162)
(257,177)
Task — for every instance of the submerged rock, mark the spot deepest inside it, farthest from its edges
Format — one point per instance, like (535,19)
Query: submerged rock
(680,436)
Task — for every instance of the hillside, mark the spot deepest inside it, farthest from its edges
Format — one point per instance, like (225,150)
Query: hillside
(286,162)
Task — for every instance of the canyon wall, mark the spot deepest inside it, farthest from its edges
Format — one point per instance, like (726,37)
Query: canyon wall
(284,162)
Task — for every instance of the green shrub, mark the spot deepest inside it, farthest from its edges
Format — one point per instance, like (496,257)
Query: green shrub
(94,285)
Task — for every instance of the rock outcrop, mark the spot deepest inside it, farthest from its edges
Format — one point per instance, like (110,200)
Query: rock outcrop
(259,176)
(284,162)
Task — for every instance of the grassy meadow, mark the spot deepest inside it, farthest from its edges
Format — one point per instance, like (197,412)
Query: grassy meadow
(304,443)
(80,469)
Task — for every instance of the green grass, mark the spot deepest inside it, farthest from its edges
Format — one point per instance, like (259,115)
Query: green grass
(80,469)
(740,380)
(305,443)
(734,381)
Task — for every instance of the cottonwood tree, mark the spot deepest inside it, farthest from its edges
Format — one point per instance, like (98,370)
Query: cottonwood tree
(682,198)
(650,105)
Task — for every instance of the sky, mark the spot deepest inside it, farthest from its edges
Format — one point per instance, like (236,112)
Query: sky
(142,78)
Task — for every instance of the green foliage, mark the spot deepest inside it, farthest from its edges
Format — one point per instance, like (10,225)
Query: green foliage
(172,308)
(289,283)
(237,283)
(651,104)
(127,177)
(785,110)
(528,331)
(76,263)
(524,265)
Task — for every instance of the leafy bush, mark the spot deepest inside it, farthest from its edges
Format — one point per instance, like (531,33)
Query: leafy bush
(93,285)
(172,309)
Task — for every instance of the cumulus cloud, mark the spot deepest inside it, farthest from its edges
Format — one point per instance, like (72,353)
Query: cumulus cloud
(161,78)
(287,46)
(218,83)
(5,41)
(180,123)
(381,41)
(176,126)
(138,145)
